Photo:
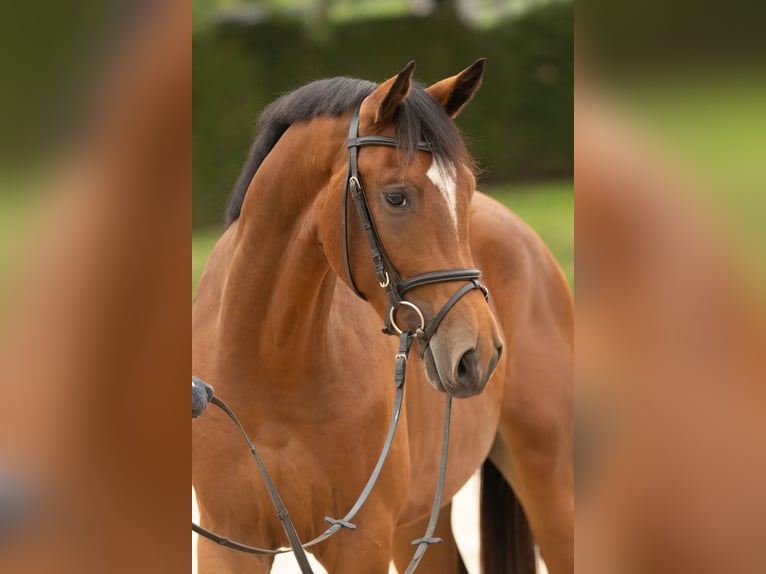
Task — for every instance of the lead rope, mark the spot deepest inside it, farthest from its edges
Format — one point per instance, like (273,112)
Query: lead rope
(335,524)
(428,538)
(279,506)
(202,397)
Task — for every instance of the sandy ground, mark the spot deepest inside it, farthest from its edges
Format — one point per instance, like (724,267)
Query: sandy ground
(465,525)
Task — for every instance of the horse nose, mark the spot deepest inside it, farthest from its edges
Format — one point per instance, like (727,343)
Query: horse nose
(468,369)
(470,373)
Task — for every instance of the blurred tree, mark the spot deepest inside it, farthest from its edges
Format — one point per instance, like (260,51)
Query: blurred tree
(445,6)
(324,9)
(318,13)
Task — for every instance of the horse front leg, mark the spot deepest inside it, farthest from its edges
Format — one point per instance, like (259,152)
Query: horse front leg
(370,554)
(368,549)
(442,558)
(215,559)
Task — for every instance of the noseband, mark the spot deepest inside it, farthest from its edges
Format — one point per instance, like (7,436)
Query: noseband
(385,270)
(395,287)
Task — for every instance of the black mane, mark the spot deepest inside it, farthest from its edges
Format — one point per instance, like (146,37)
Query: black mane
(418,118)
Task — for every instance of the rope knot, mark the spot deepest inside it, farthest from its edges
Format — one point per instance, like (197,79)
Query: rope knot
(426,540)
(340,522)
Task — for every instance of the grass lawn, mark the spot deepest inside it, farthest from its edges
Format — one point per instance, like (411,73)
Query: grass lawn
(547,207)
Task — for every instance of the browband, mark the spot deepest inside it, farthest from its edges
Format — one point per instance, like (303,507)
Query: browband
(382,140)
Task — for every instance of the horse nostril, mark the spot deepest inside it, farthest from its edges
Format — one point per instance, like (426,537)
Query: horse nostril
(467,370)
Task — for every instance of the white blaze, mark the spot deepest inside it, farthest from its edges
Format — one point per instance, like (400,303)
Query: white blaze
(443,177)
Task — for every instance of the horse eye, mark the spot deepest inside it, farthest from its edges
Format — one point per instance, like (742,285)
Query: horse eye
(396,199)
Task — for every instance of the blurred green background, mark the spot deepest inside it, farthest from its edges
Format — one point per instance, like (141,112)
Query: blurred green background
(519,127)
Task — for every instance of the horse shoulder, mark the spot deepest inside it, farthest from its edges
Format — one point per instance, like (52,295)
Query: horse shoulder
(524,278)
(533,305)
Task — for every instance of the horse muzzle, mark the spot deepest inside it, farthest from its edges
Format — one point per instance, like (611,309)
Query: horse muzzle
(461,364)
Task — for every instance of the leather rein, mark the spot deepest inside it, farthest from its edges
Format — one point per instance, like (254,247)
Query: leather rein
(395,288)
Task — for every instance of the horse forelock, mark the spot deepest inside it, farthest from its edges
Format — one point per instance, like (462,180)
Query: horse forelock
(419,118)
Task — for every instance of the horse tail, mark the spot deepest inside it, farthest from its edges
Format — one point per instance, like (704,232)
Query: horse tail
(507,545)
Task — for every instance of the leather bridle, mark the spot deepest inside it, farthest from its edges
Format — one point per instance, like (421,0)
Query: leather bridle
(385,270)
(395,287)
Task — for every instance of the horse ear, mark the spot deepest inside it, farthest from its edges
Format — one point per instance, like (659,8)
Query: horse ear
(384,100)
(453,93)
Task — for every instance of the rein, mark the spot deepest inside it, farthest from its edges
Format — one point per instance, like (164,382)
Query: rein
(395,287)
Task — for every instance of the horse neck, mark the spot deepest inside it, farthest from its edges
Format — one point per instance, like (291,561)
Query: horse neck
(279,285)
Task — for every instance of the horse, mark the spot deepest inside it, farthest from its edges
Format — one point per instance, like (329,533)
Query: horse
(286,327)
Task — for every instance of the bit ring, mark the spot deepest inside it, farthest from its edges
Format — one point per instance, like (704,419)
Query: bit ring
(392,318)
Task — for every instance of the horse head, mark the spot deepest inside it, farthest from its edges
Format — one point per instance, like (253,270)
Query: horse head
(418,180)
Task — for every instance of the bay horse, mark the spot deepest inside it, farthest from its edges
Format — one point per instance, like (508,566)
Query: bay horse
(286,327)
